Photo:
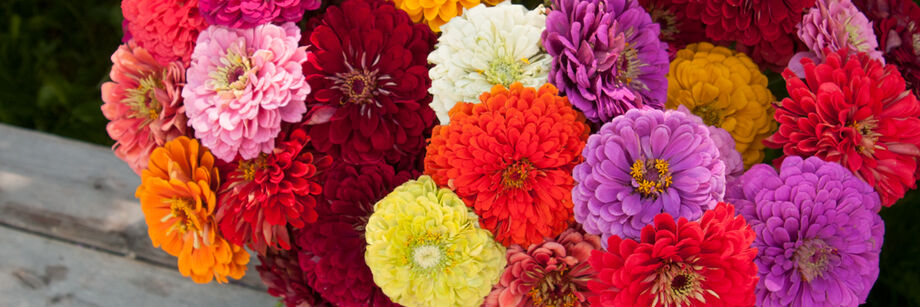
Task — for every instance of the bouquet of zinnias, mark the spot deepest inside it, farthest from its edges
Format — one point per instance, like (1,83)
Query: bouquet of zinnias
(465,153)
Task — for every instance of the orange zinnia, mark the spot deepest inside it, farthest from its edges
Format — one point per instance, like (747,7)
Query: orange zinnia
(178,199)
(510,158)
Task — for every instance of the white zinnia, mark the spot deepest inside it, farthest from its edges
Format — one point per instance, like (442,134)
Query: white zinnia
(483,47)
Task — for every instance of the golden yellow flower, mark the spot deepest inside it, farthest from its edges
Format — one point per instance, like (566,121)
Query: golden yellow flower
(727,90)
(435,13)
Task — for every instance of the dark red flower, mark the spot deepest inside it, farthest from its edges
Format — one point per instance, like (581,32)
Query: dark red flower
(369,75)
(897,26)
(676,28)
(261,197)
(682,263)
(855,111)
(281,273)
(764,29)
(332,248)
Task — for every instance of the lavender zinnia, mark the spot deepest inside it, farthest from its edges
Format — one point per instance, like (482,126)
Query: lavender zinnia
(607,57)
(818,233)
(644,163)
(834,24)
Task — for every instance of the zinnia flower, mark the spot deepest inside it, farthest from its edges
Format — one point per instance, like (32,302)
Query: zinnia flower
(677,30)
(553,273)
(437,13)
(142,103)
(484,47)
(854,111)
(425,248)
(818,233)
(251,13)
(166,28)
(645,163)
(333,247)
(683,263)
(261,197)
(607,57)
(734,165)
(728,91)
(178,200)
(763,28)
(368,66)
(834,24)
(510,158)
(242,84)
(281,273)
(897,25)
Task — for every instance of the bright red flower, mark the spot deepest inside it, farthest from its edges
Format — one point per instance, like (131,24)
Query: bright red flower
(369,70)
(897,26)
(764,29)
(168,29)
(281,273)
(332,248)
(262,196)
(683,263)
(855,111)
(510,158)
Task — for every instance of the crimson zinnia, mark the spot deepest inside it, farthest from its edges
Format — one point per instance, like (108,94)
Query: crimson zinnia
(280,272)
(897,26)
(368,65)
(855,111)
(682,263)
(262,196)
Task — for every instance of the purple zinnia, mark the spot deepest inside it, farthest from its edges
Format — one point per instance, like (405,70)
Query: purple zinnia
(644,163)
(607,57)
(250,13)
(834,24)
(818,233)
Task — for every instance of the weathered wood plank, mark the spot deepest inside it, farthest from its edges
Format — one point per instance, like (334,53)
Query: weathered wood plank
(37,271)
(79,193)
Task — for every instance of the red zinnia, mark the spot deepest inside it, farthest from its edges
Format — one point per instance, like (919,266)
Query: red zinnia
(281,273)
(855,111)
(332,248)
(510,158)
(168,29)
(683,263)
(764,29)
(369,71)
(676,29)
(897,26)
(262,196)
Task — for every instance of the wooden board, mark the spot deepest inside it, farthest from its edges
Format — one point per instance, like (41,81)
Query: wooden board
(79,194)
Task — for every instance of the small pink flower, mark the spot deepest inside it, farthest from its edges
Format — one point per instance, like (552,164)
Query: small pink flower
(834,24)
(242,84)
(143,104)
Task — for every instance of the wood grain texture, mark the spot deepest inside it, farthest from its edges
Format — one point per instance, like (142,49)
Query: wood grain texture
(78,193)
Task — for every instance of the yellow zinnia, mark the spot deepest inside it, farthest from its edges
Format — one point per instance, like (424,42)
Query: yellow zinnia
(435,13)
(425,248)
(727,90)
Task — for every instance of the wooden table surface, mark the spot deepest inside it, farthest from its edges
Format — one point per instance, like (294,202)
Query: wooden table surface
(72,234)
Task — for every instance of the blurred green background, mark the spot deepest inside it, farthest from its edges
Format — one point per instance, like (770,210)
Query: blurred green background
(54,55)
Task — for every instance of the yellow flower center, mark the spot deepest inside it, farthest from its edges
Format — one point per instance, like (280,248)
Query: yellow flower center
(142,100)
(232,77)
(429,253)
(868,137)
(505,71)
(358,86)
(554,289)
(629,66)
(249,168)
(812,257)
(651,179)
(183,211)
(676,284)
(516,174)
(710,115)
(426,256)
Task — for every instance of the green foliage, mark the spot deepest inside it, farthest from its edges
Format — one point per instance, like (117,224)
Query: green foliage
(54,55)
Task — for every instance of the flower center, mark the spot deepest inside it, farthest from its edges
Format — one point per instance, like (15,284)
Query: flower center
(667,20)
(358,86)
(628,66)
(428,253)
(516,174)
(710,115)
(184,212)
(142,100)
(232,77)
(652,177)
(812,258)
(554,289)
(248,168)
(853,38)
(868,136)
(426,256)
(505,71)
(676,284)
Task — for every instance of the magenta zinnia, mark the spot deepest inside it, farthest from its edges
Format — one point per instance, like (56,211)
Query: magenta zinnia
(251,13)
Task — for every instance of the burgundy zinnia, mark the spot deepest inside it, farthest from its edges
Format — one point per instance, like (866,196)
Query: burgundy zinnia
(368,64)
(855,111)
(332,248)
(897,26)
(281,273)
(677,30)
(262,196)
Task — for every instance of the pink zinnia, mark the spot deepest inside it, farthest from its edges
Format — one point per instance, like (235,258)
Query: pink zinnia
(242,84)
(834,24)
(142,103)
(251,13)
